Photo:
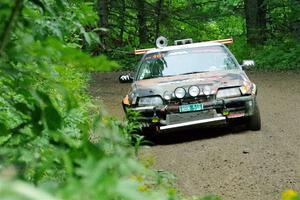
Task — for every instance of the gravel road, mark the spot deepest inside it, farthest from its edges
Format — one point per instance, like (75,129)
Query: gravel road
(232,163)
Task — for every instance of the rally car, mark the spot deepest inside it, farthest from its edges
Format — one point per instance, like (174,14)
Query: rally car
(191,84)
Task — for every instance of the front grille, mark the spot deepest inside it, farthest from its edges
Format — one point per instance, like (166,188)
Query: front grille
(175,118)
(199,99)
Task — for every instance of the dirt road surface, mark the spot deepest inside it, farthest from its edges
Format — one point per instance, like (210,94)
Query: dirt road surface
(232,163)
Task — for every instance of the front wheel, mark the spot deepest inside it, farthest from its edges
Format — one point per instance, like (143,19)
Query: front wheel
(254,121)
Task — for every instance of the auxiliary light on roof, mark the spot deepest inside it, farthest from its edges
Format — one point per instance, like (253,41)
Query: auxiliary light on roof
(184,42)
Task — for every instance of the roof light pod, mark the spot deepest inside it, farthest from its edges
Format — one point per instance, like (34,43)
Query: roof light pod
(184,41)
(161,42)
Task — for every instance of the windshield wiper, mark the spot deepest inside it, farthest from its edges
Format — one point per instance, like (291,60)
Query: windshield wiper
(196,72)
(150,77)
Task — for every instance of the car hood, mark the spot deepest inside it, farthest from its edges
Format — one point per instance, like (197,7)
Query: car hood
(214,79)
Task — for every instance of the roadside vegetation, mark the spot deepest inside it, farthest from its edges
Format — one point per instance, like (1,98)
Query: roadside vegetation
(55,143)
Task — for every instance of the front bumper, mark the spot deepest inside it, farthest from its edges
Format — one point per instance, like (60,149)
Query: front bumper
(208,122)
(214,113)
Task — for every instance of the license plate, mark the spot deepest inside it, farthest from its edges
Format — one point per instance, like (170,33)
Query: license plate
(191,107)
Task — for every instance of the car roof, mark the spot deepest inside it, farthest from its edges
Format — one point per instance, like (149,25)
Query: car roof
(185,46)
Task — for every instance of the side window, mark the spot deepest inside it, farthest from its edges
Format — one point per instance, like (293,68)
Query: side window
(228,62)
(144,71)
(150,69)
(157,67)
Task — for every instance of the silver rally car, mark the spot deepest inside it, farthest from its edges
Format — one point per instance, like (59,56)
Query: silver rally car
(191,84)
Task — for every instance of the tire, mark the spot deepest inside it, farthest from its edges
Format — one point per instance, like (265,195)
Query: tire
(254,121)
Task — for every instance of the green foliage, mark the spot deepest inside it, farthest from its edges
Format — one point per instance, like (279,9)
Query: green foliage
(273,56)
(44,105)
(290,195)
(55,143)
(278,56)
(125,56)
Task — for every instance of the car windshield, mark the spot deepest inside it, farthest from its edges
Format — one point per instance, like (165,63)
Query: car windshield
(185,61)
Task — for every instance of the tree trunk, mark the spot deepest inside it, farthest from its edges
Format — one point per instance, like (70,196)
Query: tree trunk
(122,19)
(102,8)
(5,36)
(256,23)
(262,19)
(295,19)
(142,28)
(157,25)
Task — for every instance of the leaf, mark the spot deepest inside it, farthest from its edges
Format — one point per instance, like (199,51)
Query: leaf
(50,114)
(87,38)
(52,118)
(39,4)
(3,129)
(61,4)
(22,107)
(36,118)
(44,97)
(23,190)
(4,139)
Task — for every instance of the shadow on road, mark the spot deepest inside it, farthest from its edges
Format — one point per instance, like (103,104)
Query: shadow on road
(196,134)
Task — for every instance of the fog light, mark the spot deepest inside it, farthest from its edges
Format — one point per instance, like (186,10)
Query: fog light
(225,112)
(194,91)
(206,90)
(179,92)
(155,120)
(167,96)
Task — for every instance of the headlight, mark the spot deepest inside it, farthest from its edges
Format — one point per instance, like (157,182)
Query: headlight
(179,92)
(227,93)
(206,90)
(248,88)
(167,96)
(194,91)
(150,101)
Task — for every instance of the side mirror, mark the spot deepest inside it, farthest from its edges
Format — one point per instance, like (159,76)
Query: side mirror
(125,78)
(247,64)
